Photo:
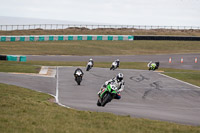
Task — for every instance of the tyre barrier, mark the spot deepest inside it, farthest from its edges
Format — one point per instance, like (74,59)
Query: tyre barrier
(66,38)
(13,58)
(174,38)
(3,57)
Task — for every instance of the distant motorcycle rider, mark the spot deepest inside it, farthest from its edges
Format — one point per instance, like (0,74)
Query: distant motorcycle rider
(90,64)
(118,62)
(118,82)
(153,65)
(76,71)
(115,64)
(91,60)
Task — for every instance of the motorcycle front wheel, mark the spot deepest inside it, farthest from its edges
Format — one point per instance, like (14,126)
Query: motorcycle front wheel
(106,98)
(88,68)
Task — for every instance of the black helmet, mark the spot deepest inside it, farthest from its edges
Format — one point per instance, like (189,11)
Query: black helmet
(120,77)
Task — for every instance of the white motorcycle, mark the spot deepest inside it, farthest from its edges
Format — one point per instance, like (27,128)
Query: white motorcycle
(114,66)
(89,66)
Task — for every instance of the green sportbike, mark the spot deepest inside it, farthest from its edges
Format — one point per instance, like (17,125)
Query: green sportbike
(106,94)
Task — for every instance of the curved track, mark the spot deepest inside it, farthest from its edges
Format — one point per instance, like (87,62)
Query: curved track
(146,95)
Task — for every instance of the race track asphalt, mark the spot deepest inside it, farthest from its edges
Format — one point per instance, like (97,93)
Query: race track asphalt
(33,82)
(147,94)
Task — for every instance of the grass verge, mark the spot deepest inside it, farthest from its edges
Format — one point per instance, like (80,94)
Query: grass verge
(18,67)
(99,47)
(23,110)
(104,31)
(193,78)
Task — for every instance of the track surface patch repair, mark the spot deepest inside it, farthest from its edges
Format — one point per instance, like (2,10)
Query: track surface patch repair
(146,95)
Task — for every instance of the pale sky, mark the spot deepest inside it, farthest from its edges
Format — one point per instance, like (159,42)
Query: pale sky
(128,12)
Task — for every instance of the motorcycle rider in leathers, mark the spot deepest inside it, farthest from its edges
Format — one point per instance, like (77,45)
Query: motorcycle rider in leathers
(91,60)
(118,82)
(153,65)
(78,69)
(118,62)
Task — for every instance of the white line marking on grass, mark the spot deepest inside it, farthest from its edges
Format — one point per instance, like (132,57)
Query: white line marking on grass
(179,80)
(57,91)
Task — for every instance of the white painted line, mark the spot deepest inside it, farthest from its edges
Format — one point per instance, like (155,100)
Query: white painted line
(179,80)
(57,101)
(57,91)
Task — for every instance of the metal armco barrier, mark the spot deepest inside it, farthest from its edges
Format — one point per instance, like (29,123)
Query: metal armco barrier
(66,38)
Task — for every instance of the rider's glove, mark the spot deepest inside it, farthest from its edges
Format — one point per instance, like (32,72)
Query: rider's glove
(106,83)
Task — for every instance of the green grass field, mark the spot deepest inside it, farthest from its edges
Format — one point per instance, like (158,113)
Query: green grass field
(99,47)
(26,111)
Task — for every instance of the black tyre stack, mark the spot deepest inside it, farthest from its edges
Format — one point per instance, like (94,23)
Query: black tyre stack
(3,57)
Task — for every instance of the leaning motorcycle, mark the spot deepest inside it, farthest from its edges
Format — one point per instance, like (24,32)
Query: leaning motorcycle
(153,66)
(89,66)
(106,95)
(113,66)
(78,77)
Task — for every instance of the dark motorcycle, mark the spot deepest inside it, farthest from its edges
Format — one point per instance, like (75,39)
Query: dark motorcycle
(78,77)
